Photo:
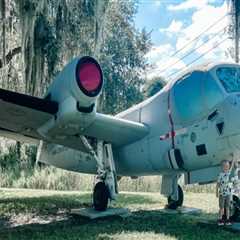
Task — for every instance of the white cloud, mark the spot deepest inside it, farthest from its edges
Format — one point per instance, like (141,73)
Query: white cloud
(157,52)
(162,67)
(189,4)
(174,27)
(214,50)
(202,18)
(157,3)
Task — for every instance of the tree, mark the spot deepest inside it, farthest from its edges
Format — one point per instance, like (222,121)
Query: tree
(153,86)
(122,58)
(39,37)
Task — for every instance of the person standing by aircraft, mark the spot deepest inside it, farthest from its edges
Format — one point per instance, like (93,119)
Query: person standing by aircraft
(224,192)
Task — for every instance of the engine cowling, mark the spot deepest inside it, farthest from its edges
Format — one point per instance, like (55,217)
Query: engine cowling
(76,89)
(82,79)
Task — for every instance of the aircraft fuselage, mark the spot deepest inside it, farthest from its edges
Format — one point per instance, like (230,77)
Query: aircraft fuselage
(197,114)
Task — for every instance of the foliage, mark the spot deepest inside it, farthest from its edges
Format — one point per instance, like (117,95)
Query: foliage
(16,157)
(8,159)
(122,58)
(40,37)
(153,86)
(49,33)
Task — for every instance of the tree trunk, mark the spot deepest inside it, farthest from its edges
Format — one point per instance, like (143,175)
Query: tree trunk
(3,19)
(100,19)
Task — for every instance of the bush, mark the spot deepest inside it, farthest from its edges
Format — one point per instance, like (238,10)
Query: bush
(23,173)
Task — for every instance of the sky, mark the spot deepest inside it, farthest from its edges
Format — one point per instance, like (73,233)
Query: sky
(174,24)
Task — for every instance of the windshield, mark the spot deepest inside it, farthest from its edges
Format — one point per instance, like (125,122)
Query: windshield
(230,78)
(193,95)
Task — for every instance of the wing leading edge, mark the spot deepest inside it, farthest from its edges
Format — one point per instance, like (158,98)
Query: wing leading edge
(22,115)
(116,130)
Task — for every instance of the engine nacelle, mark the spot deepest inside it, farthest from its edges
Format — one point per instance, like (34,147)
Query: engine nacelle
(76,89)
(81,78)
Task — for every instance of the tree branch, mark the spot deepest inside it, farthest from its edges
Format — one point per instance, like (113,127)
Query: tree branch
(10,55)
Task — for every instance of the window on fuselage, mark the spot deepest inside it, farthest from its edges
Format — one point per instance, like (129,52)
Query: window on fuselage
(230,78)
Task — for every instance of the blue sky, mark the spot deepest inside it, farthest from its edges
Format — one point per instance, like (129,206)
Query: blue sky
(174,23)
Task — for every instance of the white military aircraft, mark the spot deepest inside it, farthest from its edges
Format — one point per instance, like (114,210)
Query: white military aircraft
(188,128)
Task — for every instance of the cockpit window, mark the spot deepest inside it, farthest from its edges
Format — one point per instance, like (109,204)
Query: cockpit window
(187,98)
(230,78)
(193,96)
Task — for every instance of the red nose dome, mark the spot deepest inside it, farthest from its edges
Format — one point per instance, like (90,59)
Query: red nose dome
(89,76)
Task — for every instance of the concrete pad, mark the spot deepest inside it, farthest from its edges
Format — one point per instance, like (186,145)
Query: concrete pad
(93,214)
(182,210)
(235,227)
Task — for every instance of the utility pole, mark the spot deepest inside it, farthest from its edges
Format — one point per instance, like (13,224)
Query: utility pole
(236,28)
(3,20)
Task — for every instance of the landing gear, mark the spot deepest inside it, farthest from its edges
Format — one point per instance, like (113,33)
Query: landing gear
(100,196)
(174,204)
(235,211)
(106,187)
(172,190)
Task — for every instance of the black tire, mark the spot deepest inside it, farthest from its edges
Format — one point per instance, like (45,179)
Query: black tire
(172,204)
(100,196)
(235,215)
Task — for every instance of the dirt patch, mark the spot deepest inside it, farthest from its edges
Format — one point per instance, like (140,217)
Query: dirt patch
(16,220)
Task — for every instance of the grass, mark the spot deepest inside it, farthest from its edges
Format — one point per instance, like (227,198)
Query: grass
(52,178)
(41,214)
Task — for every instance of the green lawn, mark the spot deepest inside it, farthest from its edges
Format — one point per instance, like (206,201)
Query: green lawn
(36,214)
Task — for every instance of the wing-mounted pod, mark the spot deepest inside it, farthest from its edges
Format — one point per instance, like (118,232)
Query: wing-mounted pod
(76,89)
(81,79)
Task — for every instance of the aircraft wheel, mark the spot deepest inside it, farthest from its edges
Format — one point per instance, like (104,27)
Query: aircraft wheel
(172,204)
(100,196)
(235,213)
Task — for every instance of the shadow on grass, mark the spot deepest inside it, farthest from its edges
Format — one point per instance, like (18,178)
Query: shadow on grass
(45,205)
(184,227)
(64,226)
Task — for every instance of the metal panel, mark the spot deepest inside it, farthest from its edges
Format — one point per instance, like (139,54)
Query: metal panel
(202,176)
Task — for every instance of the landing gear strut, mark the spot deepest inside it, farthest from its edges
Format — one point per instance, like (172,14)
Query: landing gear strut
(106,187)
(172,190)
(174,204)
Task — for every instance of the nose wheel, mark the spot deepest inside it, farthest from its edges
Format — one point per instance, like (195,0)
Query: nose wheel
(235,213)
(174,204)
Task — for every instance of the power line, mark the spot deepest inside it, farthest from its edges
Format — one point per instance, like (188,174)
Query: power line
(189,53)
(198,36)
(196,59)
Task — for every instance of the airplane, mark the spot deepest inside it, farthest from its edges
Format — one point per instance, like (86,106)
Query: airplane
(186,129)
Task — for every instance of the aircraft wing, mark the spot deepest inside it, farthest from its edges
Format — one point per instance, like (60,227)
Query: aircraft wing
(116,130)
(22,115)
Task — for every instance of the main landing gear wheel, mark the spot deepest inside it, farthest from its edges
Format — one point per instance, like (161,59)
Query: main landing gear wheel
(235,213)
(172,204)
(100,196)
